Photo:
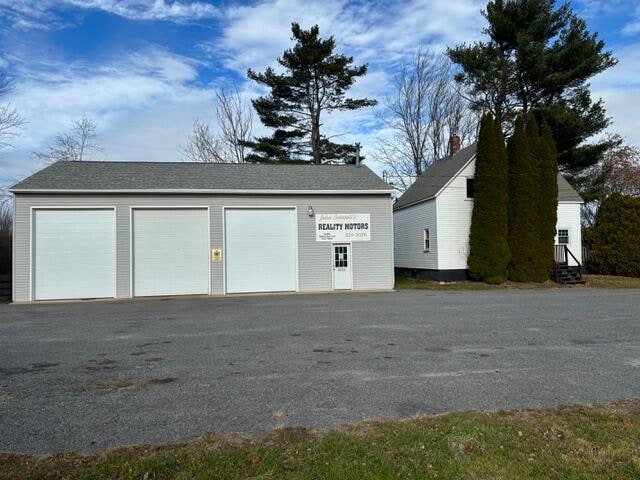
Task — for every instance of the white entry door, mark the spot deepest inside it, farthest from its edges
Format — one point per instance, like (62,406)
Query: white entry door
(342,266)
(261,249)
(170,251)
(74,253)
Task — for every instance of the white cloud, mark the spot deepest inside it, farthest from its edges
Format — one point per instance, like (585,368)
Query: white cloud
(597,8)
(632,28)
(620,10)
(30,15)
(253,36)
(144,104)
(625,73)
(150,9)
(375,32)
(137,81)
(45,14)
(620,89)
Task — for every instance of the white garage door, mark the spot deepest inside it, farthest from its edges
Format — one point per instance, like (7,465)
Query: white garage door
(261,250)
(74,254)
(170,251)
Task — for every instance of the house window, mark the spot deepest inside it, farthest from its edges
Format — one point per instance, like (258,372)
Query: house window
(469,187)
(563,236)
(425,240)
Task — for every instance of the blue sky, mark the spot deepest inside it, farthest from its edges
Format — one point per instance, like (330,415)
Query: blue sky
(146,69)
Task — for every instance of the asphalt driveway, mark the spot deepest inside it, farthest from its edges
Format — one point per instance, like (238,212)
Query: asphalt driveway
(86,376)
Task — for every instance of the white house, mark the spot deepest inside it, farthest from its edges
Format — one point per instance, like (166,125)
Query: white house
(432,220)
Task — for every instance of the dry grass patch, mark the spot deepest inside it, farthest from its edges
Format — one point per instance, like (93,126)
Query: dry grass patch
(580,442)
(406,283)
(611,281)
(593,281)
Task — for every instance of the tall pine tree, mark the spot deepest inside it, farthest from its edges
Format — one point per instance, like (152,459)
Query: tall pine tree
(489,249)
(540,57)
(315,81)
(523,200)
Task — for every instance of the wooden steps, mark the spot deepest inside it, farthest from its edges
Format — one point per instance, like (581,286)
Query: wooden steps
(567,275)
(5,287)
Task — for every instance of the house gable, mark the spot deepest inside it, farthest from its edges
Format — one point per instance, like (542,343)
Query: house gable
(436,178)
(454,211)
(440,174)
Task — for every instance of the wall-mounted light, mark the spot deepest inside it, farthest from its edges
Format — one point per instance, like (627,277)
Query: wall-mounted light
(310,211)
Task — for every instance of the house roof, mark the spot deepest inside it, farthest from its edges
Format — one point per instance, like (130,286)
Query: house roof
(165,177)
(439,173)
(566,193)
(435,177)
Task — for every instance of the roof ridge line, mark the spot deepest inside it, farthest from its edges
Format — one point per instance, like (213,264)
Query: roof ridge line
(175,162)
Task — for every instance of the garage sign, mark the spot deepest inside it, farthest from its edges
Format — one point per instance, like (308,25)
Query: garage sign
(343,227)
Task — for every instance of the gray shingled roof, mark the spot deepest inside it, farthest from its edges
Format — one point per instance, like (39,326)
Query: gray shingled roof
(435,177)
(439,173)
(183,176)
(566,193)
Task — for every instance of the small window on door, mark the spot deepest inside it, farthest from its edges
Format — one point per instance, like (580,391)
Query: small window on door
(426,244)
(563,236)
(340,257)
(470,187)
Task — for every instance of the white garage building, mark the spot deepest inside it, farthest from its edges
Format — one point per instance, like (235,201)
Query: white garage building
(129,229)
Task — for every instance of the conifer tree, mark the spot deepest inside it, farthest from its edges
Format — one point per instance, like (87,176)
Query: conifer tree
(615,249)
(489,250)
(502,196)
(539,152)
(312,81)
(523,196)
(539,55)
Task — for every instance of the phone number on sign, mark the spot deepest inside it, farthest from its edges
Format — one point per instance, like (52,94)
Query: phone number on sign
(356,234)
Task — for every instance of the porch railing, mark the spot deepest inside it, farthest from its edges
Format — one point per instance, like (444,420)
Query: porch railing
(561,255)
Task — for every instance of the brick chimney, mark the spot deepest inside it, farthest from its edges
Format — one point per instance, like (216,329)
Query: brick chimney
(454,144)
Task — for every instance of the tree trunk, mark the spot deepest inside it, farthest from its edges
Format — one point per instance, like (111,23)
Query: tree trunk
(315,137)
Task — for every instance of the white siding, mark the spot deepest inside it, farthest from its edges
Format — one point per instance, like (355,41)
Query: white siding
(408,227)
(372,261)
(569,219)
(454,221)
(450,214)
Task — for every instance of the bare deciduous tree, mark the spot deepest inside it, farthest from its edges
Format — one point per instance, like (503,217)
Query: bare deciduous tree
(421,115)
(622,165)
(10,120)
(234,118)
(202,145)
(617,172)
(77,145)
(6,228)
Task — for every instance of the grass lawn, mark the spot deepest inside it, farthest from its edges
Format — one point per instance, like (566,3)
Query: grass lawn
(593,281)
(581,442)
(611,281)
(404,283)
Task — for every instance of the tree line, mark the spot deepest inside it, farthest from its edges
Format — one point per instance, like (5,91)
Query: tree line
(515,203)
